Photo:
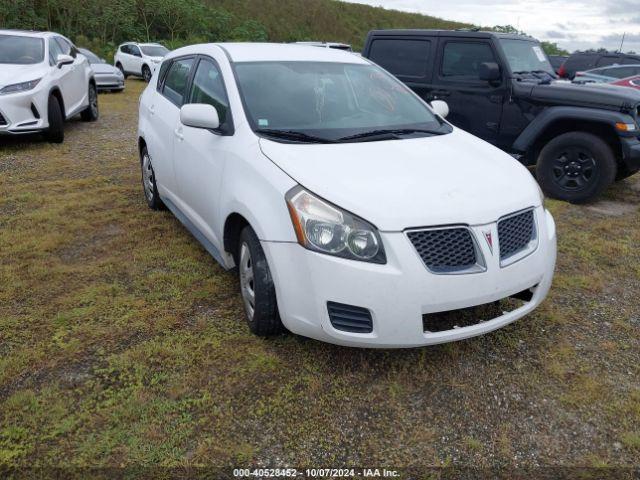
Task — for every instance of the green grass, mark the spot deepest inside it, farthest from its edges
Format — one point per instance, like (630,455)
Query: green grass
(122,343)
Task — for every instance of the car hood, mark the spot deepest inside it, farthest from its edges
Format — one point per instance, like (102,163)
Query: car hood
(103,68)
(587,95)
(398,184)
(10,74)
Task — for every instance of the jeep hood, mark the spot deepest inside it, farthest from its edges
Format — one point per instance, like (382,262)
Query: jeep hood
(398,184)
(594,96)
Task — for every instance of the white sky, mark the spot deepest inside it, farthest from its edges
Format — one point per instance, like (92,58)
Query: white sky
(572,24)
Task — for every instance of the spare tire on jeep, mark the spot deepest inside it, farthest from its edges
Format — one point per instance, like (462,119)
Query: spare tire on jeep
(575,167)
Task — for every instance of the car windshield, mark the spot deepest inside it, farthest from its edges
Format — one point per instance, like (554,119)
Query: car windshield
(154,50)
(330,100)
(526,56)
(92,57)
(21,50)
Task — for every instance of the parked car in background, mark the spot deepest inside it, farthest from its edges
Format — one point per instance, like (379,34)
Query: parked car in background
(334,45)
(139,59)
(43,81)
(557,61)
(607,74)
(351,208)
(502,88)
(631,82)
(108,77)
(583,61)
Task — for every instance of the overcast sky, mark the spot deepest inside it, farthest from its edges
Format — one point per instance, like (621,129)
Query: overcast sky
(572,24)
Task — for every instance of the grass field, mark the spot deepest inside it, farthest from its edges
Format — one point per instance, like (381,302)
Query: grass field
(123,343)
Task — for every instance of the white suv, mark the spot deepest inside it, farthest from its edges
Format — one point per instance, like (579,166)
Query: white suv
(43,81)
(353,211)
(139,59)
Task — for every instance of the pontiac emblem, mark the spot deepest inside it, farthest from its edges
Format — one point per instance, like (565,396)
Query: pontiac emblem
(489,239)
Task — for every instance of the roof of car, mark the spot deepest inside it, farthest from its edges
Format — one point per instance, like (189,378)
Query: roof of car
(27,33)
(264,52)
(469,33)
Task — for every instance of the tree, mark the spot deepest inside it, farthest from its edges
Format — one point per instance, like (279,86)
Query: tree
(552,48)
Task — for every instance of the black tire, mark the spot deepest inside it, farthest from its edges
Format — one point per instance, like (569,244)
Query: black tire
(262,317)
(575,167)
(149,185)
(119,67)
(92,112)
(146,73)
(55,132)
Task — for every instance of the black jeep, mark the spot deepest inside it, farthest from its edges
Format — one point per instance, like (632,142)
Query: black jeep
(503,89)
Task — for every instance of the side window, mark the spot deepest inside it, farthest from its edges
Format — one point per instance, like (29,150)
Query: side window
(175,83)
(124,48)
(404,58)
(463,59)
(133,50)
(54,51)
(163,73)
(606,61)
(208,87)
(66,47)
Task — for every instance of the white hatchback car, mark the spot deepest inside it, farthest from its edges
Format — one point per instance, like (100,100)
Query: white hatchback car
(352,210)
(43,81)
(139,59)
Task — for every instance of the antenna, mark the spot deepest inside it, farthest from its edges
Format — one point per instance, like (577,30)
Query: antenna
(622,42)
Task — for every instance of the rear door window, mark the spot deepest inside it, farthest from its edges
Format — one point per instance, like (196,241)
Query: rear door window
(462,59)
(176,82)
(406,58)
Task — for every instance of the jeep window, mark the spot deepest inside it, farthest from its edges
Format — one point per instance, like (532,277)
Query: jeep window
(463,59)
(330,101)
(154,50)
(175,85)
(405,58)
(21,50)
(526,56)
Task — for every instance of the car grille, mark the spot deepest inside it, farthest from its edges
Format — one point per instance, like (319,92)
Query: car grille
(515,233)
(3,121)
(447,250)
(349,318)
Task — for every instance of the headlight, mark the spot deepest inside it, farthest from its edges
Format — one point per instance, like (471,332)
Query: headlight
(325,228)
(19,87)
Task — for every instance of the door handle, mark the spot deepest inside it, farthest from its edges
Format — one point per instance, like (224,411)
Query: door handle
(178,133)
(152,110)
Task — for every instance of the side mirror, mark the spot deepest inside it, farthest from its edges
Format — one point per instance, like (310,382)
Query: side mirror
(489,71)
(440,107)
(63,59)
(199,115)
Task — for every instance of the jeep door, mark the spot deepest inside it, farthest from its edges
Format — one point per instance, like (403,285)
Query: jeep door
(475,105)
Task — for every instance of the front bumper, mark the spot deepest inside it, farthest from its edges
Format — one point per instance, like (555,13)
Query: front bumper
(109,82)
(631,153)
(24,112)
(400,292)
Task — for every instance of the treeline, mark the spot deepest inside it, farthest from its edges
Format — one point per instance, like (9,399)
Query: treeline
(102,24)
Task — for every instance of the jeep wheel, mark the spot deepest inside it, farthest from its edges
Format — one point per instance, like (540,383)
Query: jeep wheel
(575,167)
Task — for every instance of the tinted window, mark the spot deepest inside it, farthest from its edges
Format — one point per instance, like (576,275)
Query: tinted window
(20,50)
(208,88)
(154,50)
(54,51)
(605,61)
(621,72)
(124,48)
(175,84)
(579,62)
(462,59)
(133,50)
(406,58)
(631,61)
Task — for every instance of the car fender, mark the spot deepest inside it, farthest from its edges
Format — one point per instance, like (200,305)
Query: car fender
(553,114)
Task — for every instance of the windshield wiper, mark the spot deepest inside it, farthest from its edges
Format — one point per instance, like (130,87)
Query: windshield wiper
(293,135)
(390,133)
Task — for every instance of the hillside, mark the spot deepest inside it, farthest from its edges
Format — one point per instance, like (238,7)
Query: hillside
(327,20)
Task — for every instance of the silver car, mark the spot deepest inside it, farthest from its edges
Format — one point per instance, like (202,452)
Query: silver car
(108,77)
(607,74)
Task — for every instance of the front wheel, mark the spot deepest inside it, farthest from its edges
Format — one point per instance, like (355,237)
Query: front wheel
(256,286)
(55,132)
(91,113)
(146,73)
(576,167)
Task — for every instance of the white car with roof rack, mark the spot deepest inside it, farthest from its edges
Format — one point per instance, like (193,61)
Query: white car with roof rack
(353,211)
(43,82)
(139,59)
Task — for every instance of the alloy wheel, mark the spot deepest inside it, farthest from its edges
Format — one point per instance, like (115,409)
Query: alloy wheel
(93,101)
(247,284)
(148,177)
